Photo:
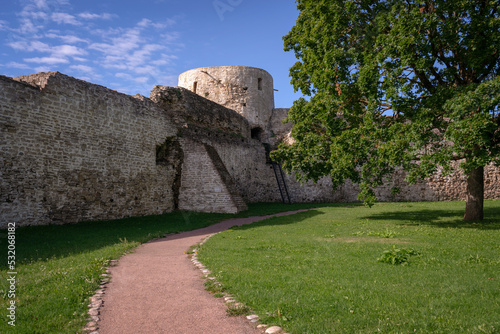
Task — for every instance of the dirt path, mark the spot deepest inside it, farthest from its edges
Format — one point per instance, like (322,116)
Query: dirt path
(157,289)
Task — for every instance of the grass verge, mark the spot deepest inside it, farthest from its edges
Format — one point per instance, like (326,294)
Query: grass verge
(394,268)
(59,266)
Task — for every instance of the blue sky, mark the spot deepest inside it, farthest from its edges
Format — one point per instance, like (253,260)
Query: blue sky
(130,46)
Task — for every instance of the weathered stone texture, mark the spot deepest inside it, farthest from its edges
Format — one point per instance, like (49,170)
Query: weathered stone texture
(436,188)
(73,151)
(186,107)
(245,160)
(247,90)
(279,131)
(206,185)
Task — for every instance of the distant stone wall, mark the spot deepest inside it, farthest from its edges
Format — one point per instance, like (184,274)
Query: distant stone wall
(434,188)
(73,151)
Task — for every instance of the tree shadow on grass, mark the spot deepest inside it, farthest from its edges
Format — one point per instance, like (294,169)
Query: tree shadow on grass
(40,243)
(282,220)
(441,218)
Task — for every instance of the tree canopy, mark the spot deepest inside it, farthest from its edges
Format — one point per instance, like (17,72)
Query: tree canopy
(395,84)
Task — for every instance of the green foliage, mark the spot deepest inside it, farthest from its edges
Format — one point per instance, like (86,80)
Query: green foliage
(214,287)
(393,84)
(397,255)
(237,310)
(389,234)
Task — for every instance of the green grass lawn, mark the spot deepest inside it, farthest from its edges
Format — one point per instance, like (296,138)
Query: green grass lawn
(59,267)
(322,271)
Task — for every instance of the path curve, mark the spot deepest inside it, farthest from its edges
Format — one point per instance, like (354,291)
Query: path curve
(157,289)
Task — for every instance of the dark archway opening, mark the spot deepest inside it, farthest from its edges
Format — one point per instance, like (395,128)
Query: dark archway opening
(256,133)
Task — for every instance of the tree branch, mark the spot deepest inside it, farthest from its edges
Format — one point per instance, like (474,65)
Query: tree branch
(489,67)
(423,79)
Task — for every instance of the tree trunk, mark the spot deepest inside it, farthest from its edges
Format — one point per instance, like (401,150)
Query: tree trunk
(475,195)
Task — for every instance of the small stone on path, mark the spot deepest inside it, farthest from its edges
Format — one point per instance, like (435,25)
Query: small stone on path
(273,330)
(93,311)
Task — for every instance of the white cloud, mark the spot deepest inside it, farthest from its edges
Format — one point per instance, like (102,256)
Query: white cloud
(39,46)
(67,51)
(147,69)
(82,68)
(92,16)
(14,64)
(106,33)
(47,60)
(42,69)
(120,45)
(141,80)
(144,23)
(35,15)
(162,25)
(66,18)
(160,62)
(41,4)
(158,25)
(58,51)
(19,45)
(136,53)
(139,52)
(123,75)
(30,46)
(143,55)
(164,60)
(27,27)
(126,76)
(70,39)
(169,37)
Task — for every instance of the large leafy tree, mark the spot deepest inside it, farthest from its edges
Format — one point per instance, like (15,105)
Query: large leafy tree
(395,84)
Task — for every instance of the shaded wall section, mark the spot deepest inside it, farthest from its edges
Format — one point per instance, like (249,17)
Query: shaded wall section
(206,185)
(73,151)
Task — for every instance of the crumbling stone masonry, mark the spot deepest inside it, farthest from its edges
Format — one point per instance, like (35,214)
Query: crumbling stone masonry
(73,151)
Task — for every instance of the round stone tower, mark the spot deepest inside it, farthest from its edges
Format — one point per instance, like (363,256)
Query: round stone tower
(247,90)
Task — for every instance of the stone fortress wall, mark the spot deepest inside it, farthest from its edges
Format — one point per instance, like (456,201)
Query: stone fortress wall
(73,151)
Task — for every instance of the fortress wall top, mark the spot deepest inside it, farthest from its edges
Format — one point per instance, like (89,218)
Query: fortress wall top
(247,90)
(185,106)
